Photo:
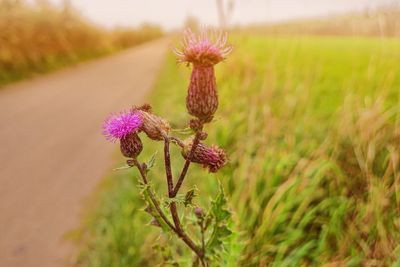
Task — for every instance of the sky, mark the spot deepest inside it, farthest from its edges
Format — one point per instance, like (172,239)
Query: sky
(171,14)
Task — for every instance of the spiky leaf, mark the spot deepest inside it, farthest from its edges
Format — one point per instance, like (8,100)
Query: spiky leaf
(151,208)
(189,197)
(220,218)
(122,168)
(151,162)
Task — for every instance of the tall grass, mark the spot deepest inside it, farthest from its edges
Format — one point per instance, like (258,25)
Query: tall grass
(380,22)
(312,129)
(40,37)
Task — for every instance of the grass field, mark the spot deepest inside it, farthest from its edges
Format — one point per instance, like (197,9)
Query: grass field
(312,129)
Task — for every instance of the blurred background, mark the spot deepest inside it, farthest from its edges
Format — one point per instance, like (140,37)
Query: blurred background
(309,115)
(38,36)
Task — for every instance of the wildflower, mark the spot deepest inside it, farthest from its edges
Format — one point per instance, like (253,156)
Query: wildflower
(120,125)
(199,212)
(154,126)
(203,51)
(124,127)
(213,158)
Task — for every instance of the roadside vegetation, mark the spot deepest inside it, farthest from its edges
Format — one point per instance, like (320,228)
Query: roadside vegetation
(379,22)
(312,129)
(40,37)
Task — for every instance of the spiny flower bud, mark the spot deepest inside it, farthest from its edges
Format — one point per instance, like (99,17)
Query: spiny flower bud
(199,212)
(203,51)
(131,145)
(154,126)
(202,97)
(213,158)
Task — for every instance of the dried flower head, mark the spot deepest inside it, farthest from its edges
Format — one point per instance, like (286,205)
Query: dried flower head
(213,158)
(118,126)
(154,126)
(205,49)
(131,145)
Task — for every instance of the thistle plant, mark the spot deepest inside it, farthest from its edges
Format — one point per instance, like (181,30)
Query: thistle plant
(201,52)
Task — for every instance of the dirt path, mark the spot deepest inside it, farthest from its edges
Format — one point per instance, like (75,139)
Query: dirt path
(52,153)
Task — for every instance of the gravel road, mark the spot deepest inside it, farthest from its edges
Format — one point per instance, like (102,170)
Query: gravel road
(52,154)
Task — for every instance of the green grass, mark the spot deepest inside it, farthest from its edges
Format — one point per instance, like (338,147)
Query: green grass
(312,129)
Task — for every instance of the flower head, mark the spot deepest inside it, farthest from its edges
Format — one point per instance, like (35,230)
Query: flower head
(153,126)
(205,49)
(119,126)
(213,158)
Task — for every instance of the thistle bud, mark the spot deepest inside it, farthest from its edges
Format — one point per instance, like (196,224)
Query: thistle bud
(213,158)
(131,146)
(203,51)
(202,97)
(154,126)
(154,222)
(199,212)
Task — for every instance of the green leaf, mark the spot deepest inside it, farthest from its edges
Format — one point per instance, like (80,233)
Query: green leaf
(122,168)
(189,196)
(218,209)
(151,208)
(165,251)
(151,162)
(219,217)
(179,199)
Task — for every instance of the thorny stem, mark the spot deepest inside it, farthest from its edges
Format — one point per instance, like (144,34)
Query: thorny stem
(178,185)
(174,211)
(179,231)
(152,197)
(167,161)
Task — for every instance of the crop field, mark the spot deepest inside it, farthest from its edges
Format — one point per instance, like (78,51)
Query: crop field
(312,129)
(39,37)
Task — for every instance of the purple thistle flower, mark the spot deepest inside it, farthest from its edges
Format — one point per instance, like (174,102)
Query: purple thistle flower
(119,126)
(205,49)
